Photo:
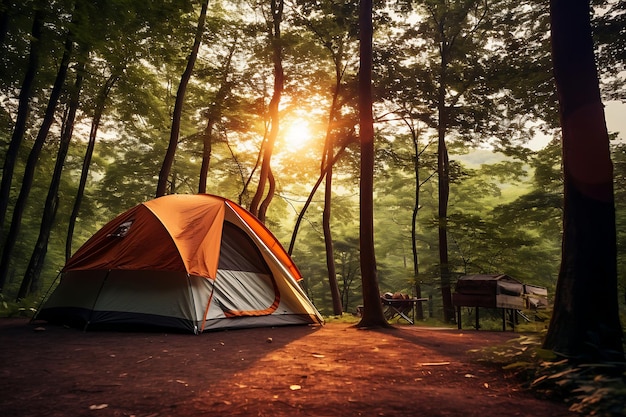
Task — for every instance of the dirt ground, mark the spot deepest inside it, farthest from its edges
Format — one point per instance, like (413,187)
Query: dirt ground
(334,370)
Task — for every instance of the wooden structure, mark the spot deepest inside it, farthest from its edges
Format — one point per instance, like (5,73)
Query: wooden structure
(489,291)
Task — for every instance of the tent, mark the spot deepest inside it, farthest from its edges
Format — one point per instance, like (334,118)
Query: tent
(187,262)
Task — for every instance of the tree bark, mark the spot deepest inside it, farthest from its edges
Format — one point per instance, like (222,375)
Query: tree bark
(168,161)
(279,80)
(372,308)
(328,240)
(207,150)
(419,310)
(270,195)
(23,110)
(443,167)
(585,323)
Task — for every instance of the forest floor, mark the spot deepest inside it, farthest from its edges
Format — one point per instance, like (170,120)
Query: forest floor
(334,370)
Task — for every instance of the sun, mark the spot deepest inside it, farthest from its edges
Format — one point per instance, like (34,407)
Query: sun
(297,134)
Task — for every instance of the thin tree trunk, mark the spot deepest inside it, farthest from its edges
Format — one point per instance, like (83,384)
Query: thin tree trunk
(309,199)
(443,164)
(23,110)
(585,323)
(443,173)
(328,239)
(31,163)
(214,114)
(327,160)
(419,310)
(326,215)
(207,149)
(31,282)
(84,174)
(277,54)
(168,161)
(372,308)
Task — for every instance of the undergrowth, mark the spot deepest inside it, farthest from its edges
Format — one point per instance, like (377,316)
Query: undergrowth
(23,308)
(593,389)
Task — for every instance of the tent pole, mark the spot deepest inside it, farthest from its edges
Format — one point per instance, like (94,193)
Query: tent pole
(193,305)
(93,307)
(44,298)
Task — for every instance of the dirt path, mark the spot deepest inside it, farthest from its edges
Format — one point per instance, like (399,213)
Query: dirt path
(335,370)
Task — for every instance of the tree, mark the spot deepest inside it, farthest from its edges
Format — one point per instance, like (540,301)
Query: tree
(585,324)
(35,151)
(258,205)
(31,282)
(215,112)
(372,308)
(335,30)
(23,109)
(178,107)
(84,173)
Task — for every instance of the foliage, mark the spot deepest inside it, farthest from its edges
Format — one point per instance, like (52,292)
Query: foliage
(505,212)
(22,308)
(590,389)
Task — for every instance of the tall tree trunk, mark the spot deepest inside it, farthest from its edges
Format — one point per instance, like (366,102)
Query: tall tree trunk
(372,308)
(585,324)
(419,310)
(84,174)
(443,174)
(33,158)
(168,161)
(443,165)
(31,282)
(279,80)
(23,110)
(327,166)
(328,240)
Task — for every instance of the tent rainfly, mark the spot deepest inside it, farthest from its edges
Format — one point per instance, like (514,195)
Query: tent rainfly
(186,262)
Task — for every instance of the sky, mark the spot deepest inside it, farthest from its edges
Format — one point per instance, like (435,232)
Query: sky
(615,114)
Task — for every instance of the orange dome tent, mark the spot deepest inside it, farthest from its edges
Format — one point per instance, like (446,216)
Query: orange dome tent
(189,262)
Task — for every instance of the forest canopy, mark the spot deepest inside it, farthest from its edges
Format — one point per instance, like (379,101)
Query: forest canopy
(88,99)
